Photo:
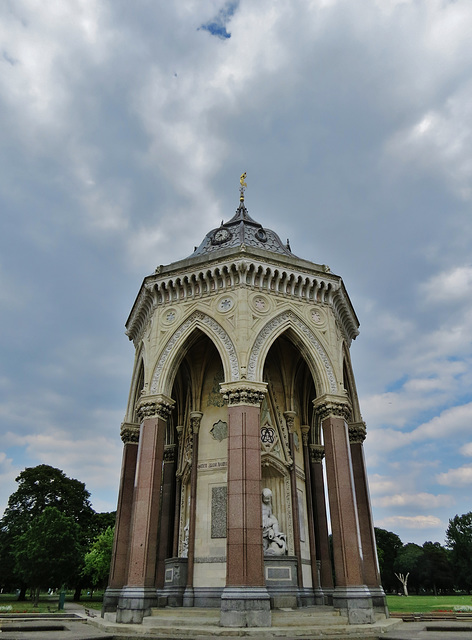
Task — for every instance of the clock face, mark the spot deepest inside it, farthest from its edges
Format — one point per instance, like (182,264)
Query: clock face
(221,236)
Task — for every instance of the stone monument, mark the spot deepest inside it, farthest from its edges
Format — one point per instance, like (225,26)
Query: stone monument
(243,393)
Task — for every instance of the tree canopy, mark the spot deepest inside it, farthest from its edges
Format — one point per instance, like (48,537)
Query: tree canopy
(459,540)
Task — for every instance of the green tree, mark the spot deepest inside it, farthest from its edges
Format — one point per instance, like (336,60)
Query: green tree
(436,569)
(38,488)
(407,565)
(388,545)
(98,559)
(459,540)
(48,554)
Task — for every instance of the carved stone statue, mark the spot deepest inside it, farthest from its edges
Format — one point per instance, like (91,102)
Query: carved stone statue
(274,541)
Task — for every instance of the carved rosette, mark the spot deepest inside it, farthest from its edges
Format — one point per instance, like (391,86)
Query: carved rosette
(238,394)
(332,407)
(129,433)
(317,452)
(154,407)
(357,432)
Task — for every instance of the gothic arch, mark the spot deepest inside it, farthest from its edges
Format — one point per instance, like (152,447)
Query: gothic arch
(173,351)
(314,353)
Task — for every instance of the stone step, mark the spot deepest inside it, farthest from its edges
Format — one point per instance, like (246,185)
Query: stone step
(201,617)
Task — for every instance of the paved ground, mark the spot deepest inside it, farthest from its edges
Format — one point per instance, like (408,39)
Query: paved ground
(93,627)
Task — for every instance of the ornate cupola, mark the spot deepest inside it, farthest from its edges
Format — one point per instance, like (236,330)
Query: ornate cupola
(242,409)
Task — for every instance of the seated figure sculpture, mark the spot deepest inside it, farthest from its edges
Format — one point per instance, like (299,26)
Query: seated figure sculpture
(274,541)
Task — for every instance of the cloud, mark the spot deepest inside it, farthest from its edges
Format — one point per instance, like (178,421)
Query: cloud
(453,284)
(418,500)
(409,522)
(460,477)
(466,450)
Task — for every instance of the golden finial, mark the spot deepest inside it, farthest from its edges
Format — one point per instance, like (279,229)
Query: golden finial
(243,185)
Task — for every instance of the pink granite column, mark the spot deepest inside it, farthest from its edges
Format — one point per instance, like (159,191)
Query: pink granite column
(119,561)
(350,593)
(245,601)
(321,521)
(357,434)
(140,593)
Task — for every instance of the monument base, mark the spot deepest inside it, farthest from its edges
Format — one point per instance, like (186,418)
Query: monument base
(245,607)
(135,603)
(356,603)
(379,600)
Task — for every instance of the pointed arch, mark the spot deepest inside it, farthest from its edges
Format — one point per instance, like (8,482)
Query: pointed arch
(314,353)
(172,353)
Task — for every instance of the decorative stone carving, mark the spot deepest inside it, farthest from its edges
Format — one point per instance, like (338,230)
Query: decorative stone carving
(169,452)
(274,541)
(195,420)
(219,431)
(334,406)
(129,433)
(154,407)
(218,511)
(215,328)
(317,453)
(271,327)
(305,429)
(243,395)
(357,432)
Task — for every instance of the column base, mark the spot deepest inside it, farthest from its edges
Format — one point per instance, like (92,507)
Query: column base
(379,600)
(135,603)
(110,600)
(245,607)
(356,603)
(189,597)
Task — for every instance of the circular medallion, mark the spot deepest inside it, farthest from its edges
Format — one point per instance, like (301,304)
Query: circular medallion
(225,304)
(170,316)
(260,303)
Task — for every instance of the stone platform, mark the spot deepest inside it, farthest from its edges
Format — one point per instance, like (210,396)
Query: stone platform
(199,623)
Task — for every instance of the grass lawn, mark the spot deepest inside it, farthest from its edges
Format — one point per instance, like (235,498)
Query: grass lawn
(47,604)
(422,604)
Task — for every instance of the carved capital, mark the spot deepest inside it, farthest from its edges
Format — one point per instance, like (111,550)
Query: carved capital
(290,420)
(357,432)
(329,406)
(317,452)
(305,428)
(195,419)
(246,394)
(129,433)
(169,452)
(156,406)
(180,431)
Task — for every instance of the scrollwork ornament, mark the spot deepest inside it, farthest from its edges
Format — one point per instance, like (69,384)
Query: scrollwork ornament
(317,452)
(357,432)
(129,433)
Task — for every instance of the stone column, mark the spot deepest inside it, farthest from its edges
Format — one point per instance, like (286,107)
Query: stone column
(245,601)
(119,560)
(166,518)
(178,489)
(315,574)
(290,421)
(357,433)
(195,419)
(140,593)
(350,594)
(321,521)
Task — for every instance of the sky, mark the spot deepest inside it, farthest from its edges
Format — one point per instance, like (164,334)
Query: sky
(124,130)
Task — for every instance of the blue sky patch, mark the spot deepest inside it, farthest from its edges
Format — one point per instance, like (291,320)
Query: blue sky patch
(217,26)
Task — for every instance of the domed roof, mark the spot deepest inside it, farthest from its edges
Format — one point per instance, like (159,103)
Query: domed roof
(241,229)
